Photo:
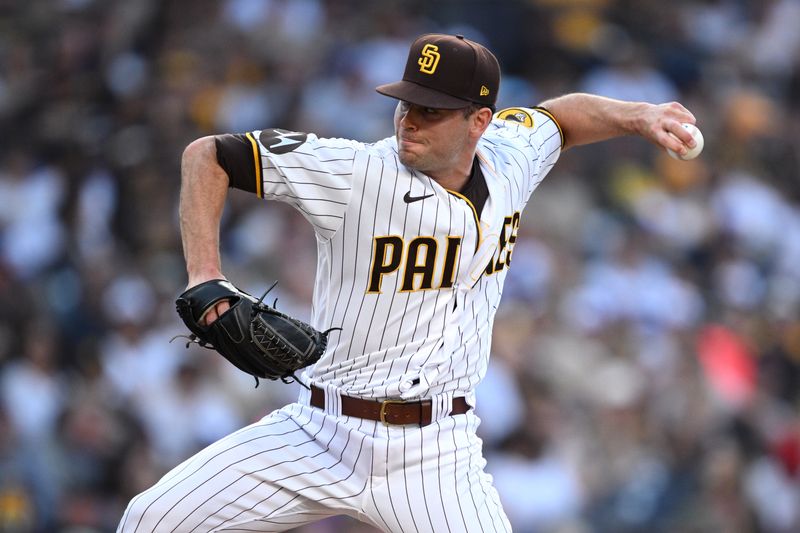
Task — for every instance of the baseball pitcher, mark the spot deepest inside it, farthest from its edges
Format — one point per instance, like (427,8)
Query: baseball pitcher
(415,235)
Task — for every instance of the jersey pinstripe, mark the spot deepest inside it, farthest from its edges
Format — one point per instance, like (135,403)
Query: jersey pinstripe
(427,340)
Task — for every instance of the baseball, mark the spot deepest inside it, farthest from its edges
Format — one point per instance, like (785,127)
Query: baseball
(693,152)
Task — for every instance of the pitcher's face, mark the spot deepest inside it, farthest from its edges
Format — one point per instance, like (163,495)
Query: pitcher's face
(432,141)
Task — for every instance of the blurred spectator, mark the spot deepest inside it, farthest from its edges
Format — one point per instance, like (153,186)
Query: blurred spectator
(164,411)
(20,483)
(628,74)
(33,389)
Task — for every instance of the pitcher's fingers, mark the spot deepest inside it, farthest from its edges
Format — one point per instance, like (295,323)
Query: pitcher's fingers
(684,135)
(222,306)
(209,316)
(671,141)
(680,113)
(214,313)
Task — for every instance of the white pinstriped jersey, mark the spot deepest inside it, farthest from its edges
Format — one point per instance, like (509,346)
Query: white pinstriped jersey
(404,268)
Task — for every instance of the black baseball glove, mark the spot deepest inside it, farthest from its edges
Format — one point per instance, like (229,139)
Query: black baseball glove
(253,336)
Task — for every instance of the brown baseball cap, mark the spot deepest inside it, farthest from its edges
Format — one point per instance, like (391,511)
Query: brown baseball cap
(447,72)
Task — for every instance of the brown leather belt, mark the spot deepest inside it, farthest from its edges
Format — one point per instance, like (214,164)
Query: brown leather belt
(390,412)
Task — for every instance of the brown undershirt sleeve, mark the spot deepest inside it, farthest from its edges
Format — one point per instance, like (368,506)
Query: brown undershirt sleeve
(237,154)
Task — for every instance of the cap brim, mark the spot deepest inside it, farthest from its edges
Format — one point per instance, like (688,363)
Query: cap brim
(414,93)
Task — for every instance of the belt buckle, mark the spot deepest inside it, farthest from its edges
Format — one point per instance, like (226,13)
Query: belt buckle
(383,410)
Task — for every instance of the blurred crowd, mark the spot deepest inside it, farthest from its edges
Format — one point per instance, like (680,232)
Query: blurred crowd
(645,373)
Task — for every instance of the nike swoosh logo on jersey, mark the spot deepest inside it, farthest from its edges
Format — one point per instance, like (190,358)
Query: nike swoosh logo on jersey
(410,199)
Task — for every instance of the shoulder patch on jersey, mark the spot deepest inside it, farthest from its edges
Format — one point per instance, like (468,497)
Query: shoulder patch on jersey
(280,141)
(516,114)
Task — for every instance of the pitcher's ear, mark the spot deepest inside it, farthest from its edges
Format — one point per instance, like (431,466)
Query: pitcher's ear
(481,119)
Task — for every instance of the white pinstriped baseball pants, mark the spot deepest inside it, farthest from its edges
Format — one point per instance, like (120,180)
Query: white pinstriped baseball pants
(300,464)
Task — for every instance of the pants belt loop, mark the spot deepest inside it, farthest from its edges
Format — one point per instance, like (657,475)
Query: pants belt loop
(442,405)
(304,397)
(333,400)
